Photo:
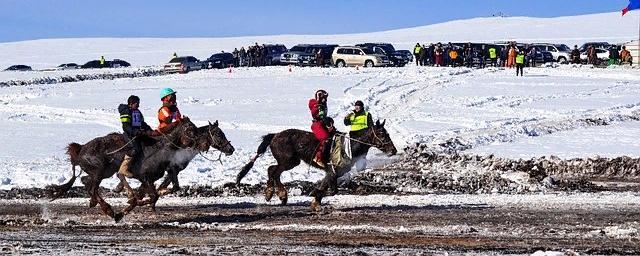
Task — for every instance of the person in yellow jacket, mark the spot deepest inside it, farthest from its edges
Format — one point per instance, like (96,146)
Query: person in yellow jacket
(416,52)
(453,55)
(520,63)
(102,61)
(493,56)
(360,120)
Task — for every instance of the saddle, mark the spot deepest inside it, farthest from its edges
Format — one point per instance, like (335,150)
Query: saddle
(340,155)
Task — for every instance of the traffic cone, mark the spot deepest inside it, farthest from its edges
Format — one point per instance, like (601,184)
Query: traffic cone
(230,68)
(289,67)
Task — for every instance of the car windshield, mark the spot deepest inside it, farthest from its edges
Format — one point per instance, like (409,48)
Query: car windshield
(176,60)
(387,48)
(563,47)
(297,49)
(278,49)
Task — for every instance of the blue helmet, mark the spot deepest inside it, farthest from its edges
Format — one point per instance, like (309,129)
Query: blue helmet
(165,92)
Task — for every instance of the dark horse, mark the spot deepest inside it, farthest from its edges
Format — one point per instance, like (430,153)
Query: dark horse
(210,135)
(291,146)
(101,157)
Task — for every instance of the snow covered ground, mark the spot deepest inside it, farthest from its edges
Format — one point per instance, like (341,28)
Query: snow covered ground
(486,111)
(569,111)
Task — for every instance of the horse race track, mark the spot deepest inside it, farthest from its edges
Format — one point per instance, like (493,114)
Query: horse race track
(587,223)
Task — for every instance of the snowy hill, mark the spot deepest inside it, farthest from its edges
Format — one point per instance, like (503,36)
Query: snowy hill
(570,30)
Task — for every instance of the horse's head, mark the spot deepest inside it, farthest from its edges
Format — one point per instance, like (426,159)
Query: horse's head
(380,138)
(212,136)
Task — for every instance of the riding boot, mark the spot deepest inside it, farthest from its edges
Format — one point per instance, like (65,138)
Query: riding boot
(124,167)
(326,151)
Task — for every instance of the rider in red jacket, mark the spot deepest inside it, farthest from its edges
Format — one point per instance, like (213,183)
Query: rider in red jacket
(318,108)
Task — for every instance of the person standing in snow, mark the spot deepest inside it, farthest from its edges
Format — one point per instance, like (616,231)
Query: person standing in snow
(416,53)
(169,111)
(520,61)
(532,56)
(614,55)
(625,56)
(102,61)
(512,56)
(438,55)
(318,108)
(493,56)
(133,127)
(575,55)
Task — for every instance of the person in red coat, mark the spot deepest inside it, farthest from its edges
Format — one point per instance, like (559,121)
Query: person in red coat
(318,108)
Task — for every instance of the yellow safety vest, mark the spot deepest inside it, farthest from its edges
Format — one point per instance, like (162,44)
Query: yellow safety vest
(359,122)
(520,59)
(417,49)
(492,53)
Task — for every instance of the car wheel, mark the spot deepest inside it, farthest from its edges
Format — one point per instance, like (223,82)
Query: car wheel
(340,64)
(187,70)
(368,63)
(562,59)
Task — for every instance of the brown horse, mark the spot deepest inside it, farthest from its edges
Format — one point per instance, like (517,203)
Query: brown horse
(101,157)
(291,146)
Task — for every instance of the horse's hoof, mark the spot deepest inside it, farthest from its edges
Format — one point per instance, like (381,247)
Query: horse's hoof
(268,194)
(315,206)
(92,203)
(283,200)
(117,217)
(118,188)
(163,191)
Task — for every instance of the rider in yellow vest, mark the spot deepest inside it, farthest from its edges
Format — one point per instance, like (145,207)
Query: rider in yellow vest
(359,120)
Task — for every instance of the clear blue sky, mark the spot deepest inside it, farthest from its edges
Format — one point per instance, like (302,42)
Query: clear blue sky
(37,19)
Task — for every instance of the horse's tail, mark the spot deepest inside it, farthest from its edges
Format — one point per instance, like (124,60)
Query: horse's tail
(266,141)
(56,191)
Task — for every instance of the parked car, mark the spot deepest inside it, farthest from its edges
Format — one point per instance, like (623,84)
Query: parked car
(397,59)
(354,56)
(309,58)
(19,68)
(273,53)
(291,56)
(560,52)
(407,54)
(116,63)
(183,64)
(304,54)
(219,60)
(67,66)
(597,45)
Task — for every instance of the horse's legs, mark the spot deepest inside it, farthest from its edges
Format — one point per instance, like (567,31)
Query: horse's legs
(152,192)
(268,192)
(120,185)
(104,206)
(282,190)
(131,194)
(171,178)
(321,189)
(88,185)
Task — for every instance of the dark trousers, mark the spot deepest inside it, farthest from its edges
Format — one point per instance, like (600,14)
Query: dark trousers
(520,69)
(134,148)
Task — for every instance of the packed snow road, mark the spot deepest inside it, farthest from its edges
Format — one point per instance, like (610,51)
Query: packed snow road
(587,223)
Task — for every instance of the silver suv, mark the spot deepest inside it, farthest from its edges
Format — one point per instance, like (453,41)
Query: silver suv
(560,52)
(356,56)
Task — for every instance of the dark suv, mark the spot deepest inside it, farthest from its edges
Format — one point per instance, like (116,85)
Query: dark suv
(597,45)
(219,60)
(18,68)
(272,53)
(304,54)
(398,59)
